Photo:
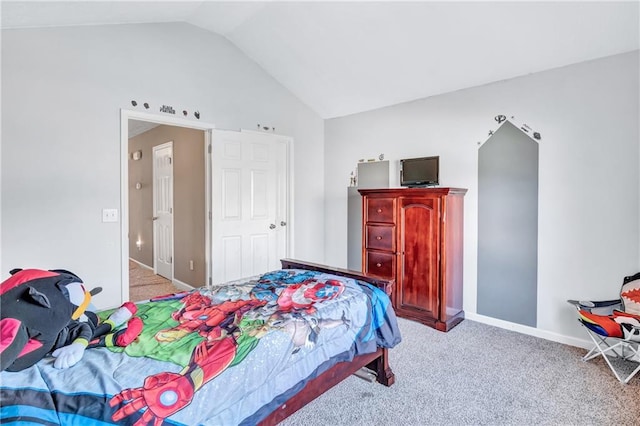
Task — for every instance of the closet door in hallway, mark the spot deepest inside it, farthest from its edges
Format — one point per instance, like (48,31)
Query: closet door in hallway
(163,210)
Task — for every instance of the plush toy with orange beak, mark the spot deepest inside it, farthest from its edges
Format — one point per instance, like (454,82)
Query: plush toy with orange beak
(45,312)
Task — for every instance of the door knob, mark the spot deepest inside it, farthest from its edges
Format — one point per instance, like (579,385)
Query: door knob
(283,223)
(154,218)
(272,226)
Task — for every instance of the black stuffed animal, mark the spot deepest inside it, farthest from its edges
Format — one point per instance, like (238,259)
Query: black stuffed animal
(43,312)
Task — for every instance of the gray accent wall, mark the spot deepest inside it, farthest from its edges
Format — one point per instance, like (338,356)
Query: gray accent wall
(370,175)
(508,226)
(354,229)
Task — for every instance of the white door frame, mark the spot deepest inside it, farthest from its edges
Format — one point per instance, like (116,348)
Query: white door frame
(125,116)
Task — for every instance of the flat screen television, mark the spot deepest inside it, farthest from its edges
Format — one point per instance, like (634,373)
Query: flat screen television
(424,171)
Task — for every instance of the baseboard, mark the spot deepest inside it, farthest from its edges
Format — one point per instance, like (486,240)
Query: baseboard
(177,283)
(181,285)
(531,331)
(141,264)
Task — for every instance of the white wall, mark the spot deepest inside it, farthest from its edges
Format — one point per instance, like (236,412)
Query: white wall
(62,91)
(589,181)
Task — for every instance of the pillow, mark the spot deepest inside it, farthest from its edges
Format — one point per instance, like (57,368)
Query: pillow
(629,324)
(604,325)
(630,294)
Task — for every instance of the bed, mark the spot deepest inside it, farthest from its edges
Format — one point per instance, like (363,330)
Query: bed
(249,352)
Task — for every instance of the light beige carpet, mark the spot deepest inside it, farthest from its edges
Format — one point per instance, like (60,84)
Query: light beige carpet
(480,375)
(144,284)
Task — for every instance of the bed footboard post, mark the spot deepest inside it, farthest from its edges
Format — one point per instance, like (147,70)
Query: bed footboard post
(380,365)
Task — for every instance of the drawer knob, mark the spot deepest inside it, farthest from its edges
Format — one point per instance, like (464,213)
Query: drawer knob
(379,210)
(378,264)
(378,237)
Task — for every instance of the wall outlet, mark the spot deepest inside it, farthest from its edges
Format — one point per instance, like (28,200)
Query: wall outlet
(109,215)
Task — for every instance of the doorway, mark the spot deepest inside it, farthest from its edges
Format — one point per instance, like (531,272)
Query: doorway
(168,212)
(186,253)
(281,220)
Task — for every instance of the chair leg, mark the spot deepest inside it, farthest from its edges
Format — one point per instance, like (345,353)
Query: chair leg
(602,348)
(630,376)
(596,351)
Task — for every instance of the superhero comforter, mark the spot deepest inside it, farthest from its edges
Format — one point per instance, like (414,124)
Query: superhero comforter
(227,355)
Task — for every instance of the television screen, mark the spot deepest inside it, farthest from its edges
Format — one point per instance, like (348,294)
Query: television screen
(419,171)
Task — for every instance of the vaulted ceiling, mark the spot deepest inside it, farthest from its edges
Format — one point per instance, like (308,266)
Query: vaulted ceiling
(342,58)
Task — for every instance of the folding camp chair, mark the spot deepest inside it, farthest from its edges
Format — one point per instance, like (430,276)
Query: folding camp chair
(614,327)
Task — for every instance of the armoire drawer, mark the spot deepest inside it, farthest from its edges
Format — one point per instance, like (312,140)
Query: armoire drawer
(381,238)
(380,264)
(381,210)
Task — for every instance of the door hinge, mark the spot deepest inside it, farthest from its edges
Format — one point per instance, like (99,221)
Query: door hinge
(210,215)
(170,259)
(210,282)
(209,148)
(170,160)
(171,210)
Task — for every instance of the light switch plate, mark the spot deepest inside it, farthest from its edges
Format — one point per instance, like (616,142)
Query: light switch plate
(109,215)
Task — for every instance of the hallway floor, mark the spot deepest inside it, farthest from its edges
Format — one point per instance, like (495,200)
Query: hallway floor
(144,284)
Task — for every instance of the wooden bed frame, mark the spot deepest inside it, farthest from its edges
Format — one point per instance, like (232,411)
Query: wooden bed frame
(378,361)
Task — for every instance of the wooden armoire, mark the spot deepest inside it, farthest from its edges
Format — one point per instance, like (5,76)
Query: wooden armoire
(415,236)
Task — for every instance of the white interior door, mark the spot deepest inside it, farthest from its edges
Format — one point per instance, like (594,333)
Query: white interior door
(249,202)
(163,210)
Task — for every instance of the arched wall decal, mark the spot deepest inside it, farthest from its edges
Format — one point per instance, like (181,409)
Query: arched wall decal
(508,224)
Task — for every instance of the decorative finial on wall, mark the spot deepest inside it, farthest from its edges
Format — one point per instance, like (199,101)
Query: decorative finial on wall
(266,128)
(500,118)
